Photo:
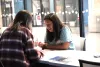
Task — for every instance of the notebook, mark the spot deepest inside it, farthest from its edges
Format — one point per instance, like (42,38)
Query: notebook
(58,58)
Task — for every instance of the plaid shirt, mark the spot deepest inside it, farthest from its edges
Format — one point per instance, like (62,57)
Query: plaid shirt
(17,47)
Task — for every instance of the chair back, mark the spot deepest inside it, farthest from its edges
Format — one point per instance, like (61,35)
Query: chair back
(85,63)
(79,43)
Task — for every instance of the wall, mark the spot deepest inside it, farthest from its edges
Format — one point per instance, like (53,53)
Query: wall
(38,32)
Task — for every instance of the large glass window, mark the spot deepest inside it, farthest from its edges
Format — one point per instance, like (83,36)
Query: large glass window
(59,8)
(40,9)
(18,5)
(36,12)
(0,18)
(6,9)
(92,24)
(68,12)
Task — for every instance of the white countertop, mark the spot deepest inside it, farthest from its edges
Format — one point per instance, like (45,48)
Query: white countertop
(71,56)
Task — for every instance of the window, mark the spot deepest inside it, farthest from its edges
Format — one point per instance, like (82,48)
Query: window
(6,9)
(68,12)
(40,9)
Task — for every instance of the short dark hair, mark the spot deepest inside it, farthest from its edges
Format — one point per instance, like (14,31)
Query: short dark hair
(22,18)
(57,25)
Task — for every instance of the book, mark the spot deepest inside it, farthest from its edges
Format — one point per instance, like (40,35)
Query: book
(58,58)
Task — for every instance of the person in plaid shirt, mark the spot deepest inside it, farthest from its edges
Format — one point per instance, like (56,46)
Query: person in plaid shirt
(16,42)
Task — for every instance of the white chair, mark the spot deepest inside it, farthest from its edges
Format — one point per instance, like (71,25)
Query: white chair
(84,63)
(79,43)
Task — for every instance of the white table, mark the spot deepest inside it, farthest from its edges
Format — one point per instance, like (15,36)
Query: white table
(71,55)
